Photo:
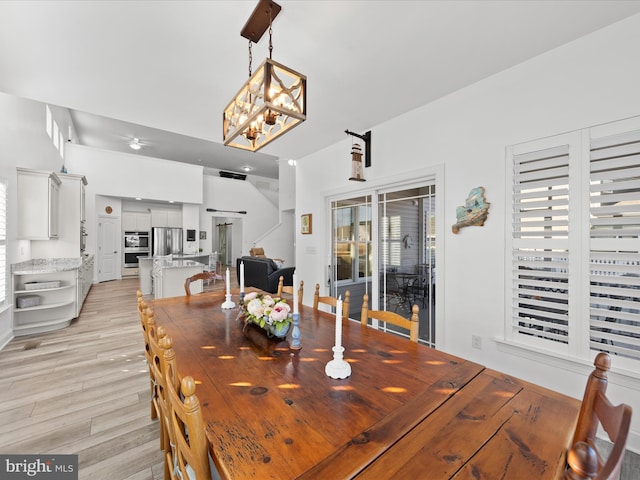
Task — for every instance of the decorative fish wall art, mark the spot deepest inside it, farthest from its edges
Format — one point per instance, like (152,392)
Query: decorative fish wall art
(474,212)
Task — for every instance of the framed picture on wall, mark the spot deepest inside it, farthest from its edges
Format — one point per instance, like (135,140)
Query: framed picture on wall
(305,223)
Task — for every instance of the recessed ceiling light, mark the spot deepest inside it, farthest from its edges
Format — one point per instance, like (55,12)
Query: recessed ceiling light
(170,201)
(138,198)
(135,144)
(247,168)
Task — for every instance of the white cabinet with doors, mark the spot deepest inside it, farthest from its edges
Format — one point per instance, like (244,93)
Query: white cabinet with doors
(71,241)
(136,222)
(166,218)
(38,204)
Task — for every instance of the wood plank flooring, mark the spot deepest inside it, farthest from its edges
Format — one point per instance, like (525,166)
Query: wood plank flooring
(84,390)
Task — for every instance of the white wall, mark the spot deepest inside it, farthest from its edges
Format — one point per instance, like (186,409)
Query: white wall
(117,175)
(25,143)
(228,194)
(587,82)
(287,177)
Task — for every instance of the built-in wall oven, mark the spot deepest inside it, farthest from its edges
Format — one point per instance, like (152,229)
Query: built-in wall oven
(136,244)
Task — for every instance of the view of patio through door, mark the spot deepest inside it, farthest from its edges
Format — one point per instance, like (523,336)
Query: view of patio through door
(400,229)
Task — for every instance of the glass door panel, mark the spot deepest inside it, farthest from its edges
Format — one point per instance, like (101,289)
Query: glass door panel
(407,241)
(351,250)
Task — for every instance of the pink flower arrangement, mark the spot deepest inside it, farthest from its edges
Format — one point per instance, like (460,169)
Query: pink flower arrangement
(264,310)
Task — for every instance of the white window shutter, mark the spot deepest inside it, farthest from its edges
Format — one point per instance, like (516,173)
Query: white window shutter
(614,258)
(539,296)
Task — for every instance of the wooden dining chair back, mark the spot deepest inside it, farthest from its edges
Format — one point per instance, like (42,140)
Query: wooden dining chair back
(200,276)
(155,335)
(331,301)
(411,324)
(584,459)
(282,288)
(189,456)
(167,372)
(144,312)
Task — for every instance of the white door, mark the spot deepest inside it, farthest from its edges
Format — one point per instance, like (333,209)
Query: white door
(108,248)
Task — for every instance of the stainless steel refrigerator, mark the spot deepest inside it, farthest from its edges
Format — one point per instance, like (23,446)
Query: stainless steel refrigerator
(165,241)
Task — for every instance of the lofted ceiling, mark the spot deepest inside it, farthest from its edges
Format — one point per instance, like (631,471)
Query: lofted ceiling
(162,71)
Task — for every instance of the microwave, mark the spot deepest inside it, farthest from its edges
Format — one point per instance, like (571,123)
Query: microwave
(138,240)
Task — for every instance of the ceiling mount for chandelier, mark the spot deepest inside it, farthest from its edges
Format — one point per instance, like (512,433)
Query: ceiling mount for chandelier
(272,101)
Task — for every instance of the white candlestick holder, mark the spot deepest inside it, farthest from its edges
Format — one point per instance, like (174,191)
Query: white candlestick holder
(295,335)
(338,367)
(228,303)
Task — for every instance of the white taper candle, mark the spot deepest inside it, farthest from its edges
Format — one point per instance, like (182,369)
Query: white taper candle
(228,282)
(339,322)
(241,277)
(295,294)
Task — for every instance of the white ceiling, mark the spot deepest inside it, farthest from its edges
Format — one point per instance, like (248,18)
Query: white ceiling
(163,71)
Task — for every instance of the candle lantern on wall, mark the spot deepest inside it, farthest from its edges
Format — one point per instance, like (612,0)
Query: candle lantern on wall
(357,172)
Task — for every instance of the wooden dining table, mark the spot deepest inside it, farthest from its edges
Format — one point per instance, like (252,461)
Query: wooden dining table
(407,411)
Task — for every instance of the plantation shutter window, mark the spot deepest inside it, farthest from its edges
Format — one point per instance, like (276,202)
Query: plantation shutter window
(614,257)
(573,247)
(540,225)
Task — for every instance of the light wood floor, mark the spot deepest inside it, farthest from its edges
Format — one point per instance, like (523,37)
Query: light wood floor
(84,390)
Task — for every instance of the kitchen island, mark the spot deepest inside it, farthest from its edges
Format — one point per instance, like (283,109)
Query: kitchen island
(168,276)
(145,268)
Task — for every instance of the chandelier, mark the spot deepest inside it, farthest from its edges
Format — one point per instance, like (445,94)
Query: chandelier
(272,101)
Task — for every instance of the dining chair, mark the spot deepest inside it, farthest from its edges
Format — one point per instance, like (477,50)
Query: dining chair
(584,460)
(331,301)
(153,353)
(188,457)
(143,312)
(200,276)
(289,289)
(391,317)
(212,266)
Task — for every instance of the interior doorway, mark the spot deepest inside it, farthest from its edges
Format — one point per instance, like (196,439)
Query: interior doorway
(227,239)
(108,248)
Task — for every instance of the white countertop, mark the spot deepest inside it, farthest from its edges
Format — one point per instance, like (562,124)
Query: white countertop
(163,263)
(48,265)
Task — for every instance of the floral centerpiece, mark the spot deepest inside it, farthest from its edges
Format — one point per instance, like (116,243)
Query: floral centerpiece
(270,314)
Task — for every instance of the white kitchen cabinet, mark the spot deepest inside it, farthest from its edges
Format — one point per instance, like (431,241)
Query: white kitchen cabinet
(168,277)
(56,305)
(136,222)
(174,219)
(38,204)
(166,218)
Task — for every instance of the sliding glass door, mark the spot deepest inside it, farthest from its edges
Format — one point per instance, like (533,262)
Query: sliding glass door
(407,242)
(386,249)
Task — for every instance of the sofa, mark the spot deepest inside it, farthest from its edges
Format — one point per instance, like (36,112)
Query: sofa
(263,273)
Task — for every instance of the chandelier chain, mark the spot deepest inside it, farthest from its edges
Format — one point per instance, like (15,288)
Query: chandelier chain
(250,58)
(270,35)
